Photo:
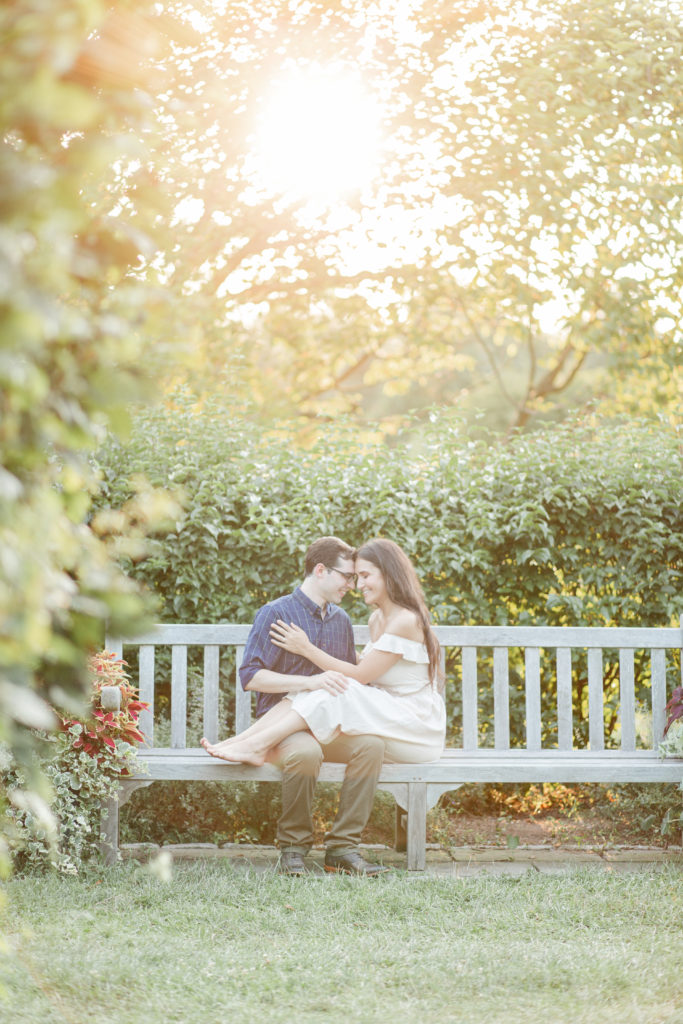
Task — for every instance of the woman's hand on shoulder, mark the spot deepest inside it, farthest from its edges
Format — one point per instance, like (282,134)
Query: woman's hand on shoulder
(290,637)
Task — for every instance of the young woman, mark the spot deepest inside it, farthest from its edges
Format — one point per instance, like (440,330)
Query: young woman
(393,690)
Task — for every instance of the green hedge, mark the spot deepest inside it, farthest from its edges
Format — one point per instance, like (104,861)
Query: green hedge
(577,524)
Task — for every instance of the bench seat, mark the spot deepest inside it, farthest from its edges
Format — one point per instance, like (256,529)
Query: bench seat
(456,766)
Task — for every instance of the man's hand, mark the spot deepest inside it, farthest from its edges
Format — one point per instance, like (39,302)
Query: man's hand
(334,682)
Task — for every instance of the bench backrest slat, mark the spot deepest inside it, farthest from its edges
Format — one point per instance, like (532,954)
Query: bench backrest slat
(470,725)
(211,672)
(146,691)
(596,711)
(242,697)
(658,665)
(565,725)
(532,671)
(501,699)
(178,695)
(627,700)
(638,638)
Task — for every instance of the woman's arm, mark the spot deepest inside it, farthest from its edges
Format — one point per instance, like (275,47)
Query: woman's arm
(371,666)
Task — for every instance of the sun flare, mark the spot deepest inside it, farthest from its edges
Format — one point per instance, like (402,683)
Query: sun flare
(319,135)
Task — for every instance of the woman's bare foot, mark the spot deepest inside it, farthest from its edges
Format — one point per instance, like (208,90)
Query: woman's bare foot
(237,754)
(212,748)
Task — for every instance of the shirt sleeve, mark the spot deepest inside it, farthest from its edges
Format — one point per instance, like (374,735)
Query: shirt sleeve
(259,651)
(351,656)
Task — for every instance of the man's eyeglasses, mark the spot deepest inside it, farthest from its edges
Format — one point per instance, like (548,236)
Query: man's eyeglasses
(350,577)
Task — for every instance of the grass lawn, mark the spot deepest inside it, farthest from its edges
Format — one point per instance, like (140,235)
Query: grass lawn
(213,946)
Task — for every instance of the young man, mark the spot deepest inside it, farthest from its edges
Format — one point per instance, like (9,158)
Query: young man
(273,672)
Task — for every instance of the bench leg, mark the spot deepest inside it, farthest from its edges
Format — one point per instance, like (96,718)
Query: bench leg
(109,822)
(417,826)
(400,835)
(109,845)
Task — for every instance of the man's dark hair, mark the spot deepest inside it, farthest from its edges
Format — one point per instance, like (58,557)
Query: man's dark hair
(326,550)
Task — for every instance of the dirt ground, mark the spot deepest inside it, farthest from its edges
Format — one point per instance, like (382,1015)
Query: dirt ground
(589,829)
(549,815)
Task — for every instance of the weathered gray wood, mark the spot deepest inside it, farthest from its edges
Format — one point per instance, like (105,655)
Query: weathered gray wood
(470,725)
(399,791)
(114,644)
(193,634)
(109,820)
(416,830)
(638,638)
(455,768)
(129,786)
(501,699)
(400,833)
(596,711)
(211,667)
(658,676)
(532,689)
(442,668)
(110,698)
(146,692)
(565,725)
(627,700)
(242,697)
(178,695)
(435,790)
(109,829)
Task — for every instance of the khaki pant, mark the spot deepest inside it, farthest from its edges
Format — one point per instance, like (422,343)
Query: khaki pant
(300,757)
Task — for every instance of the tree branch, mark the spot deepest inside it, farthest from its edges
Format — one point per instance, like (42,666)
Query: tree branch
(489,354)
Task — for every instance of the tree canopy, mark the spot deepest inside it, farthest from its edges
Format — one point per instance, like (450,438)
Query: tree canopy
(521,235)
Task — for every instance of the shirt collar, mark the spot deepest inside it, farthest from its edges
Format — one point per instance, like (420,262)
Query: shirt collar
(312,607)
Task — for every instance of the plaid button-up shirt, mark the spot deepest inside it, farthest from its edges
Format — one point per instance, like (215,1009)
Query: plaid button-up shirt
(332,634)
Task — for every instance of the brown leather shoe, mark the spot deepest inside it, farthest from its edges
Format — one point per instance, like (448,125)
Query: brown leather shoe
(291,863)
(352,863)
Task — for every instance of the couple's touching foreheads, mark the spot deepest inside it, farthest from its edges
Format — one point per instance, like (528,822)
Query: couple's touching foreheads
(320,701)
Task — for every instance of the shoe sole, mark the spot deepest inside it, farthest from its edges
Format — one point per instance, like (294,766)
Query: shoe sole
(293,872)
(358,874)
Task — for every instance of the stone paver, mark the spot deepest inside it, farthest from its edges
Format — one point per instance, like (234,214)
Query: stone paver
(459,862)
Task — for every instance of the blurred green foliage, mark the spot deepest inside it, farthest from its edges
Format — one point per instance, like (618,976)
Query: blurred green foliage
(71,344)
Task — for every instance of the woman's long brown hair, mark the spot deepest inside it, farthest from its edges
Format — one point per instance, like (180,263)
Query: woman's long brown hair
(405,590)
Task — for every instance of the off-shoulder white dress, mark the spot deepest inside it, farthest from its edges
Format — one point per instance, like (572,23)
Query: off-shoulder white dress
(402,706)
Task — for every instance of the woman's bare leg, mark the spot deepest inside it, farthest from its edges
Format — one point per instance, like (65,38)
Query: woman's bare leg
(253,748)
(271,716)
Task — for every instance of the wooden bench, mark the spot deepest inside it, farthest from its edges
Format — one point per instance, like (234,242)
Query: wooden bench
(537,670)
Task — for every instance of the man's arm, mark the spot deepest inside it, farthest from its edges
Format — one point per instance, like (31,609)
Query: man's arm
(258,673)
(267,681)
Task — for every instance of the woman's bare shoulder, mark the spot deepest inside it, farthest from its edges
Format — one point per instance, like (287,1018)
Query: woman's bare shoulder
(375,624)
(405,623)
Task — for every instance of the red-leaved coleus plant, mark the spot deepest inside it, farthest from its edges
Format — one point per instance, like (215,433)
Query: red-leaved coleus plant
(674,707)
(101,730)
